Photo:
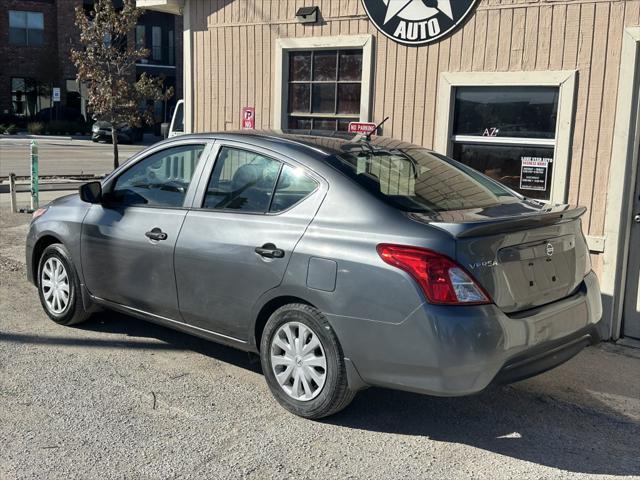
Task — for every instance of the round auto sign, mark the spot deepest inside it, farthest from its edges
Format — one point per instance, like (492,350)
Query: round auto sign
(417,22)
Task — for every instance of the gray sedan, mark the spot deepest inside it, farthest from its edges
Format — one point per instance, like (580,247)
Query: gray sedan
(343,262)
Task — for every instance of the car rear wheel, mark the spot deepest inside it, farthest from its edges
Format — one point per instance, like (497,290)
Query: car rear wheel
(59,286)
(303,362)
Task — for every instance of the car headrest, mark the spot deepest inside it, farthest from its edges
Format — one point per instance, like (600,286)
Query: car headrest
(245,175)
(285,179)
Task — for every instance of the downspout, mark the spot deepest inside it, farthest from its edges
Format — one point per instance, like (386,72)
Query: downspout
(187,67)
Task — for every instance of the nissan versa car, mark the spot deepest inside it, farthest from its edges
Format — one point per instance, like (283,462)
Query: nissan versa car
(343,262)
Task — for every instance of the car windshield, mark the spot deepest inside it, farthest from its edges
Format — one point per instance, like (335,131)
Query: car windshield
(418,180)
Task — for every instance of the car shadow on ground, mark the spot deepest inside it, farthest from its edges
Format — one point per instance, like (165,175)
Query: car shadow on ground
(508,420)
(114,322)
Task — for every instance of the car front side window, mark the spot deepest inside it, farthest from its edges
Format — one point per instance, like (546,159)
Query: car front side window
(160,180)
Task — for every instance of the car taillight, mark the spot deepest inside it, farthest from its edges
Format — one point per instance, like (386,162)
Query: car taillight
(442,280)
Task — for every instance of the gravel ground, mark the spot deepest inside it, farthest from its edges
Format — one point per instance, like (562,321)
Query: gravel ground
(121,398)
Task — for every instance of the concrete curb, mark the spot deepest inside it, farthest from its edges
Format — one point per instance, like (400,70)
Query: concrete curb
(23,136)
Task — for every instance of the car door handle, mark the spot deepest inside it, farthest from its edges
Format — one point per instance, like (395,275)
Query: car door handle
(156,234)
(269,250)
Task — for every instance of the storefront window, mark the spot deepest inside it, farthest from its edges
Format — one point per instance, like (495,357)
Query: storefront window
(324,89)
(508,133)
(28,96)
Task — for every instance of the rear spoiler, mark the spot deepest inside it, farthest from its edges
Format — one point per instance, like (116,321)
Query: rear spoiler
(509,224)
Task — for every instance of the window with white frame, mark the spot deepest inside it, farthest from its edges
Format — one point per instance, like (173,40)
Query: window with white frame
(513,126)
(324,89)
(508,133)
(322,83)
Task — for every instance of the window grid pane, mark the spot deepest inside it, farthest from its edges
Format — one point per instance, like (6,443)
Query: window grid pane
(509,111)
(171,48)
(509,164)
(35,21)
(156,43)
(140,36)
(35,37)
(17,19)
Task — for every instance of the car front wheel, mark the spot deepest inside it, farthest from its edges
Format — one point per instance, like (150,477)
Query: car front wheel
(303,363)
(59,286)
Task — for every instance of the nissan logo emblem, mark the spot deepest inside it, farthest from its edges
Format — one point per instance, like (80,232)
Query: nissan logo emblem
(549,249)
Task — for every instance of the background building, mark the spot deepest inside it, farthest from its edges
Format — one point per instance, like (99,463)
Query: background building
(35,41)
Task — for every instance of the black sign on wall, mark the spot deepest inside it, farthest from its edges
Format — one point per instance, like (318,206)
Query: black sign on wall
(418,22)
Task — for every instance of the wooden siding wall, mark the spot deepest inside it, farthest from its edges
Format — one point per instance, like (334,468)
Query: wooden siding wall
(233,66)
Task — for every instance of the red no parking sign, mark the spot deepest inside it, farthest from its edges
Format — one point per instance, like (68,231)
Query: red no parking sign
(248,118)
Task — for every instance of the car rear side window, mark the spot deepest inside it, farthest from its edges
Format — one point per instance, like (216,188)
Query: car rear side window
(294,185)
(417,180)
(242,180)
(160,180)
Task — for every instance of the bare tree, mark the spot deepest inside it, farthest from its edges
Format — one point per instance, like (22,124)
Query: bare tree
(106,65)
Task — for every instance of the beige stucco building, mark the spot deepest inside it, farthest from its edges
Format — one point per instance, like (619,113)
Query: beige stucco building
(512,85)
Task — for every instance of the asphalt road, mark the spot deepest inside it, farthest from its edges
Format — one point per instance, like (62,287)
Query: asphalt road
(61,156)
(121,398)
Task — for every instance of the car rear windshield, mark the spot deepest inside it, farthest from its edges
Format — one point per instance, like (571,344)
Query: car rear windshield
(417,180)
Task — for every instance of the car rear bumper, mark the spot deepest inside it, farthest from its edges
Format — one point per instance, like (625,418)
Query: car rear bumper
(451,351)
(548,356)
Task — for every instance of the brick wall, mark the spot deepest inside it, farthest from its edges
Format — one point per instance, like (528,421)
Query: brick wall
(38,62)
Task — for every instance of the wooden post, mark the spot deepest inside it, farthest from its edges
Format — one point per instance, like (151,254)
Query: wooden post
(12,191)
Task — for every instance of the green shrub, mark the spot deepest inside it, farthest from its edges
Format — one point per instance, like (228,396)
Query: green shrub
(35,128)
(10,129)
(2,127)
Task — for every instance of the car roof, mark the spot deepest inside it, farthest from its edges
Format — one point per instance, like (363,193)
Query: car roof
(322,143)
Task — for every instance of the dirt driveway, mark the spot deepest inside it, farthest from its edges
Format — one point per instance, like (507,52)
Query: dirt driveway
(121,398)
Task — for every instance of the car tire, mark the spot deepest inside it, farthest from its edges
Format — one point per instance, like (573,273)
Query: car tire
(306,326)
(57,277)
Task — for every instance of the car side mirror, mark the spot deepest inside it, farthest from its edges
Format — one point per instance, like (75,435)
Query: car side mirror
(91,192)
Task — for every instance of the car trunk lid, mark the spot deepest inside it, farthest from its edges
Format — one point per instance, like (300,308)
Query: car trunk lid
(523,258)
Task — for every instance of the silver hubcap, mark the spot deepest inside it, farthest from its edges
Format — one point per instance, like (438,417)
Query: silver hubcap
(55,285)
(298,361)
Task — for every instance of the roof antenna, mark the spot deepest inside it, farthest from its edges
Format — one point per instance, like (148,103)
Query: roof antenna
(368,135)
